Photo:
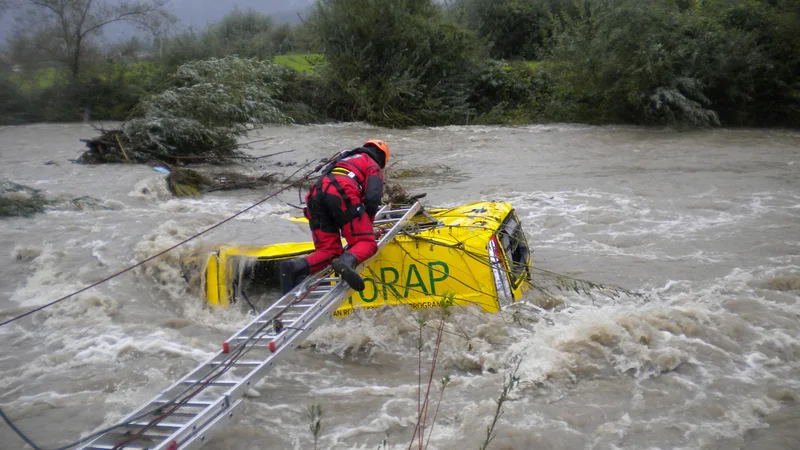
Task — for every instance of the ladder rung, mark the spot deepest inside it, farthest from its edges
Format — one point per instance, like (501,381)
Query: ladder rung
(259,338)
(288,314)
(293,304)
(158,425)
(212,383)
(321,291)
(112,446)
(178,414)
(149,434)
(395,211)
(383,221)
(194,403)
(239,363)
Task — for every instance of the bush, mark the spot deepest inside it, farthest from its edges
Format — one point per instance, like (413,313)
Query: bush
(511,29)
(512,93)
(681,63)
(304,97)
(631,62)
(212,103)
(107,92)
(14,105)
(394,62)
(755,79)
(247,34)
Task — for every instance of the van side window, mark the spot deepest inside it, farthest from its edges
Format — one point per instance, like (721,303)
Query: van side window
(513,242)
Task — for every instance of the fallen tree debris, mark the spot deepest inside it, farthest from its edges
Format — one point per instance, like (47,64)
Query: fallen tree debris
(183,182)
(17,200)
(199,118)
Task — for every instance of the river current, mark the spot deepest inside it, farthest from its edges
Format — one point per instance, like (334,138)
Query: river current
(706,225)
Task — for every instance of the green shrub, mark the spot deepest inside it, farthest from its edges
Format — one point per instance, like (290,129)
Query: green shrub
(14,104)
(247,34)
(212,103)
(107,92)
(304,97)
(394,62)
(510,93)
(631,62)
(300,63)
(755,79)
(511,29)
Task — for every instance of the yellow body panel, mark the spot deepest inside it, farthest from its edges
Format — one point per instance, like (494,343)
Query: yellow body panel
(416,269)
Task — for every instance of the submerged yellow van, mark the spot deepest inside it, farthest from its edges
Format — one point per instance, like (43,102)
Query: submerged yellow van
(477,252)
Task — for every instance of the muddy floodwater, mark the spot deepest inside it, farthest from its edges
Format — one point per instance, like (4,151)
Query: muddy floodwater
(705,224)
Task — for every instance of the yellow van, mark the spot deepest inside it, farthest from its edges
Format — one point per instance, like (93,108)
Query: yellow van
(477,252)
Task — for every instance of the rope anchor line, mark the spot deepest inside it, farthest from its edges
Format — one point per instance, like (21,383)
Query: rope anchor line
(237,354)
(185,241)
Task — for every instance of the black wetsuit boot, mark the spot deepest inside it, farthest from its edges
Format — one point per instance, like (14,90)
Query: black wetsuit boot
(293,271)
(345,266)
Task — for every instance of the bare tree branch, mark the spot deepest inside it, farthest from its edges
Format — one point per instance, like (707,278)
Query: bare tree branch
(122,17)
(69,24)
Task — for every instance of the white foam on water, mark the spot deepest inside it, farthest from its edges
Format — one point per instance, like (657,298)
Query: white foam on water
(704,360)
(25,253)
(30,405)
(47,280)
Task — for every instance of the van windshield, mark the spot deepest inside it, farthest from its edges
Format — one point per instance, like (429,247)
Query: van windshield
(513,242)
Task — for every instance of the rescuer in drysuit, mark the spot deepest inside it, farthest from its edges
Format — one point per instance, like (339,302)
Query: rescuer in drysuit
(344,200)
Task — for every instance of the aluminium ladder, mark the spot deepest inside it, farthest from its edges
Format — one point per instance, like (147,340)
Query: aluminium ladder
(186,414)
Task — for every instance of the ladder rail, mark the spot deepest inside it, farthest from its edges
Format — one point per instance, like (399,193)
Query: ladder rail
(307,315)
(310,319)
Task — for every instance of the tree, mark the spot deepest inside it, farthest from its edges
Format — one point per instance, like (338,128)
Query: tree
(246,33)
(212,103)
(633,62)
(394,62)
(62,29)
(511,28)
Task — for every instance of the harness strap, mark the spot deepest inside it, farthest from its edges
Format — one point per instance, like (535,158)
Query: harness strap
(351,211)
(348,173)
(340,190)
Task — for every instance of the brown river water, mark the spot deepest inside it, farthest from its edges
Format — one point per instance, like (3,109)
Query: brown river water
(706,224)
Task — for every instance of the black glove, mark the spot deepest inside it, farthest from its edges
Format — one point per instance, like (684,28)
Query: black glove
(372,210)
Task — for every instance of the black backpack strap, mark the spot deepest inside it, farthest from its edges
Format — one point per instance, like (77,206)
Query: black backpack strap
(351,211)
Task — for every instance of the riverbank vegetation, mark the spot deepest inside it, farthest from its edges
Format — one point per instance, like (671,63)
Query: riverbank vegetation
(419,62)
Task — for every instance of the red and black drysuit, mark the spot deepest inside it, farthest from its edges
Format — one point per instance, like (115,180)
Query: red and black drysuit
(345,200)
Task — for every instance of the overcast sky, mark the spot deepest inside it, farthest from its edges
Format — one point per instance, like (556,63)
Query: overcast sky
(200,13)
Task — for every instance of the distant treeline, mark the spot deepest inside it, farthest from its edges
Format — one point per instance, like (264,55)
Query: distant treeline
(686,63)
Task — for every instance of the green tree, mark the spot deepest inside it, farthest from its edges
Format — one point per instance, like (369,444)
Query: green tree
(394,62)
(681,62)
(512,29)
(632,62)
(212,103)
(755,79)
(246,33)
(243,33)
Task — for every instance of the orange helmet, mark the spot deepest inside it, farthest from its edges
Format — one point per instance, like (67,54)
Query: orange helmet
(381,146)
